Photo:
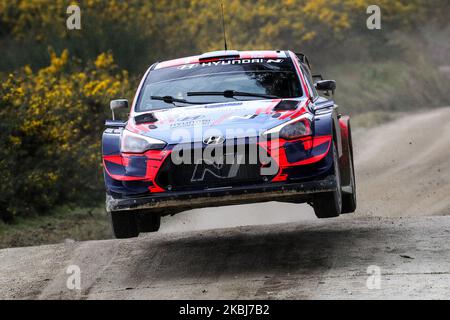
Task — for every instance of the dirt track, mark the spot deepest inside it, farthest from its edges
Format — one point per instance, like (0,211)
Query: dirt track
(403,170)
(404,167)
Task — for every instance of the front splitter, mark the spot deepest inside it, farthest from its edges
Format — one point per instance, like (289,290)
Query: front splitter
(173,202)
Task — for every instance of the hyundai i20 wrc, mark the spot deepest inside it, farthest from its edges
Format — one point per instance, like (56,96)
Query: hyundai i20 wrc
(227,128)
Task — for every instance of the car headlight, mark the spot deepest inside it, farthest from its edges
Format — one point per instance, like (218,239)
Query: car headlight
(292,130)
(136,143)
(296,130)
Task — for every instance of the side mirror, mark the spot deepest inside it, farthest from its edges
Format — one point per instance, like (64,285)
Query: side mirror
(117,105)
(326,85)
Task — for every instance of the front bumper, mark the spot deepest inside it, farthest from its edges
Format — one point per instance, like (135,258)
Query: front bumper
(169,203)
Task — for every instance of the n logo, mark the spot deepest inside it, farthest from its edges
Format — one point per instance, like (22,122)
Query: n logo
(217,169)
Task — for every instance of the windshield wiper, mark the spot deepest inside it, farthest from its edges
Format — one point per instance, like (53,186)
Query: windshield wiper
(231,94)
(172,100)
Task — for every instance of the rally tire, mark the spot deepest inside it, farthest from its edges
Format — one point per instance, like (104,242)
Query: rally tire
(329,204)
(148,222)
(124,224)
(349,200)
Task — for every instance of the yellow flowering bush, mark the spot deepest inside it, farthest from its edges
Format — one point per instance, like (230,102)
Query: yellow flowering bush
(51,123)
(141,31)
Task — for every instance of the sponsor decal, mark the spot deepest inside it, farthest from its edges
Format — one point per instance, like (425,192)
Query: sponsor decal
(193,123)
(227,63)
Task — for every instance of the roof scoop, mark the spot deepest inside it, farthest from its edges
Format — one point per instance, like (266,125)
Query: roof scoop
(219,55)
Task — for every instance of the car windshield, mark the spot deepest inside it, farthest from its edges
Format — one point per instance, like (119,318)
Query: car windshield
(203,83)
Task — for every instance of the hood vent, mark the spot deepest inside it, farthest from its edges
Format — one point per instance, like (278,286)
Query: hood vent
(145,118)
(286,105)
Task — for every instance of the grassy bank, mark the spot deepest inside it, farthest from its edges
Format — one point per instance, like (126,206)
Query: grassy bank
(64,225)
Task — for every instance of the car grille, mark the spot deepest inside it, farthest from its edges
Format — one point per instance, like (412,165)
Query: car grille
(199,174)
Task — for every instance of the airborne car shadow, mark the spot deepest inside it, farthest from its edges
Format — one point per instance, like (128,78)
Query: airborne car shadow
(246,251)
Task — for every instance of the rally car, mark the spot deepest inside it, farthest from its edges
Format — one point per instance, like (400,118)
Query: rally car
(227,128)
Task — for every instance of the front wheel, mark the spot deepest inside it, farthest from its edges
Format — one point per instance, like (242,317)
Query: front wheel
(128,224)
(124,224)
(329,204)
(148,222)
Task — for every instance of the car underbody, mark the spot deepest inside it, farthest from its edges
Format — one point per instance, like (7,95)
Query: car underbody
(172,203)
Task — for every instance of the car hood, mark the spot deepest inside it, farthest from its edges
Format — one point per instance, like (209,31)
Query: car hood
(227,120)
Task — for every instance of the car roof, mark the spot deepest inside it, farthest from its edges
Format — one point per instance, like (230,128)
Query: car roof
(223,55)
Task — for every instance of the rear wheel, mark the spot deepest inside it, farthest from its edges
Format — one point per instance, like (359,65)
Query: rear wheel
(329,204)
(124,224)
